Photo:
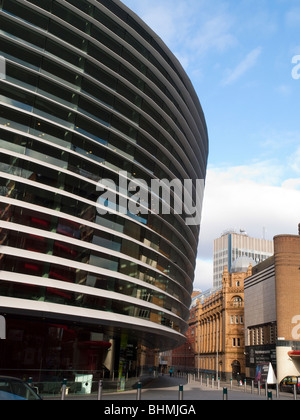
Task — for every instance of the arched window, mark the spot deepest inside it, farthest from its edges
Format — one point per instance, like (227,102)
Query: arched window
(237,301)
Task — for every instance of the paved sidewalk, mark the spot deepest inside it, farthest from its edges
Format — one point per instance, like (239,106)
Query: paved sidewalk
(166,389)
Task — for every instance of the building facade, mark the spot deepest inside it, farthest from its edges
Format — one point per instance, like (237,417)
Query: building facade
(215,343)
(272,317)
(233,245)
(89,92)
(184,357)
(220,342)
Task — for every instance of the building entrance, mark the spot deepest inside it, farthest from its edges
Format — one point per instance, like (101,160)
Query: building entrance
(236,369)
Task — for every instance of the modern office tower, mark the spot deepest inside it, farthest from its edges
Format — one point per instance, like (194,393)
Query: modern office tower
(89,93)
(233,245)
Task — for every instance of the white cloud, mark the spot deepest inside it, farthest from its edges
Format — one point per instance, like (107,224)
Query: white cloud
(214,34)
(203,275)
(292,17)
(249,61)
(163,20)
(284,90)
(283,143)
(292,184)
(190,28)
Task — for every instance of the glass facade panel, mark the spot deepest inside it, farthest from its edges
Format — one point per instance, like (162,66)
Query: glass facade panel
(85,98)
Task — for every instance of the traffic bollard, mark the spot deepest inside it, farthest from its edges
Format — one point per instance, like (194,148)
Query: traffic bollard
(180,395)
(63,389)
(139,391)
(225,394)
(100,390)
(295,392)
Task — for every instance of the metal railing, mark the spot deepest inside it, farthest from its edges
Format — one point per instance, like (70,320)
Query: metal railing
(50,383)
(246,386)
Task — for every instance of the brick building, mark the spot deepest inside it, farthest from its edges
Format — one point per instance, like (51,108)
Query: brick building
(272,311)
(183,358)
(252,321)
(215,338)
(220,343)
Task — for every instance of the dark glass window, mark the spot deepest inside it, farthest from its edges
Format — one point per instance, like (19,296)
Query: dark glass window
(103,57)
(21,77)
(45,4)
(14,119)
(69,16)
(67,297)
(88,128)
(22,33)
(127,111)
(82,5)
(100,75)
(20,54)
(66,35)
(13,96)
(65,54)
(106,40)
(52,111)
(109,23)
(54,91)
(25,13)
(97,92)
(58,71)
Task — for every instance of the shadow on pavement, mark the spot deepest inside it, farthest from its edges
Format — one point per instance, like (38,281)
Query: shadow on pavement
(165,381)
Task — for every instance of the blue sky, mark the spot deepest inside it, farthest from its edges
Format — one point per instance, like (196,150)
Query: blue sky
(238,55)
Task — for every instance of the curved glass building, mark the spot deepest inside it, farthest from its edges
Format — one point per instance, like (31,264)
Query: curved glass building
(87,92)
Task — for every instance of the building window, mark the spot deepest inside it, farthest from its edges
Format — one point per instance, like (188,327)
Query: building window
(261,331)
(236,342)
(237,302)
